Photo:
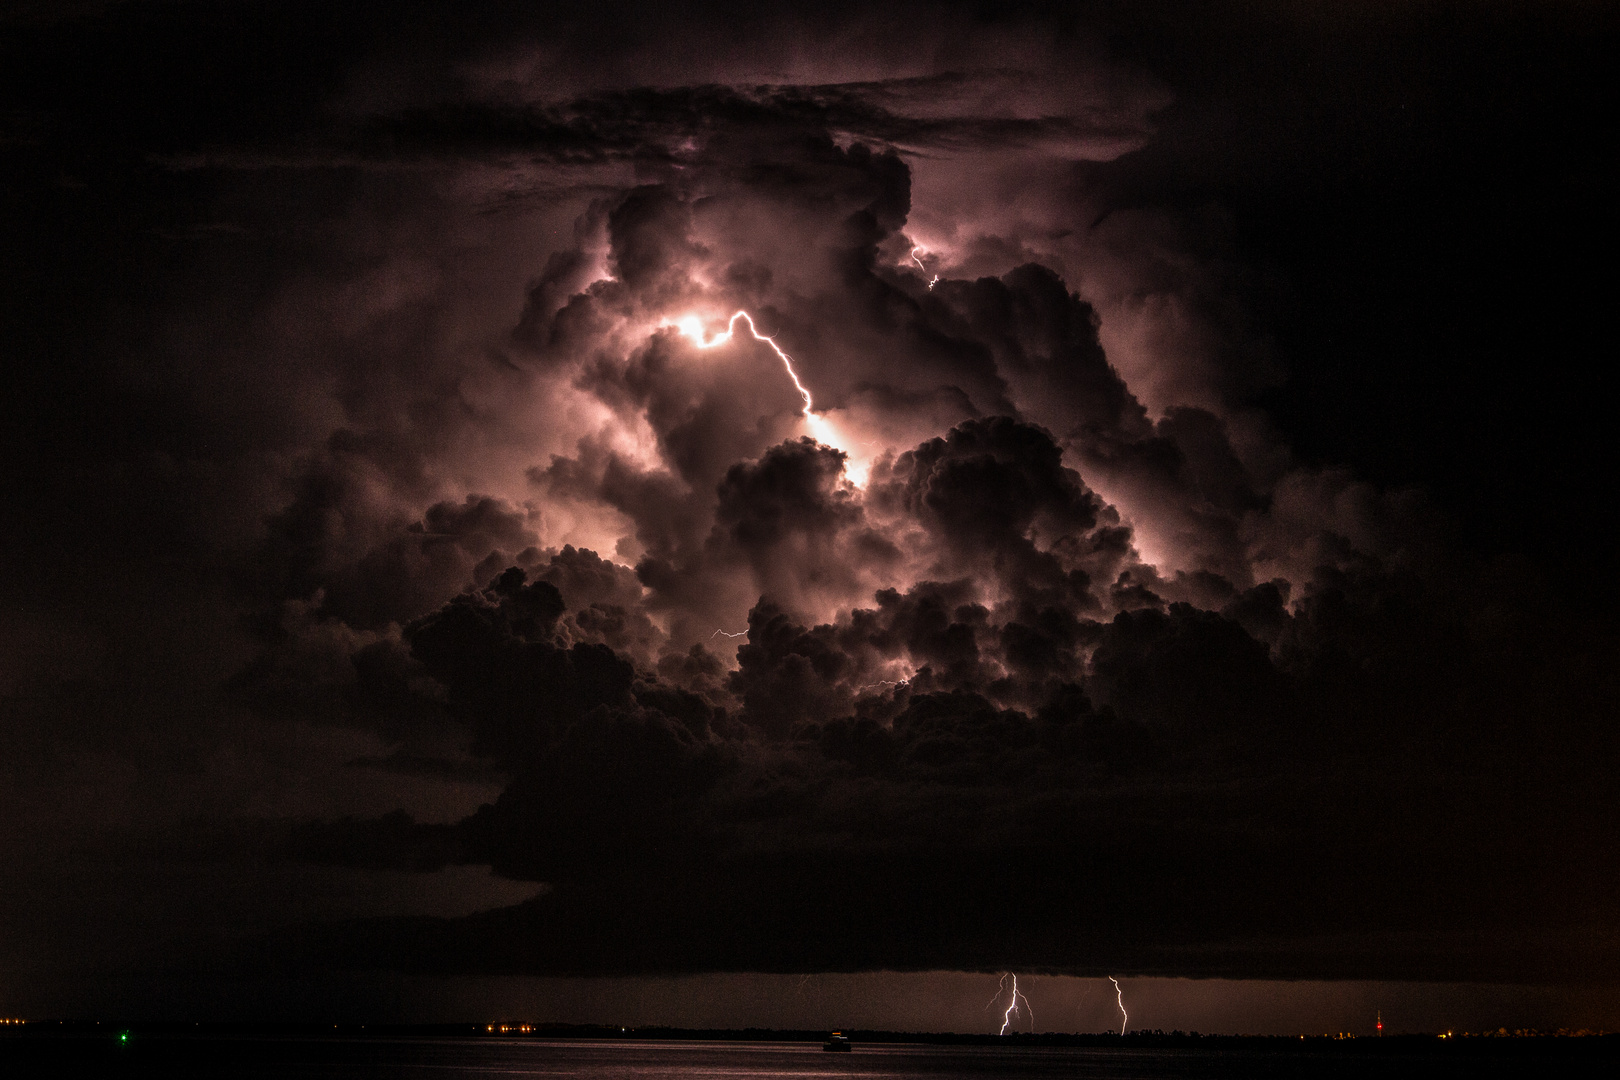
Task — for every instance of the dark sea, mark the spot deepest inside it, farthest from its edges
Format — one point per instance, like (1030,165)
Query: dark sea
(305,1058)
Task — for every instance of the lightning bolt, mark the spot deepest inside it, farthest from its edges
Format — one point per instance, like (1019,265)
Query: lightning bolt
(727,633)
(1012,1005)
(935,279)
(692,327)
(1119,995)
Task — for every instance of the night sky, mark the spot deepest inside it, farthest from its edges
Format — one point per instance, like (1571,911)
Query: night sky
(1151,522)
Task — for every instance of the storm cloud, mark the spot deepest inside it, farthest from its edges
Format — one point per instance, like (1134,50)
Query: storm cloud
(980,602)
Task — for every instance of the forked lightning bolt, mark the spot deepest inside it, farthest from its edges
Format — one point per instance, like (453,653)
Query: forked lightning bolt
(1119,995)
(1012,1005)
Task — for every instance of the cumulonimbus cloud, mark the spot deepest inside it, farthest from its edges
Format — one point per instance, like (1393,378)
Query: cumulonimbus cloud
(964,679)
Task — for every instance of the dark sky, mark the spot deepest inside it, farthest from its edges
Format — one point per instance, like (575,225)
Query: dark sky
(1165,534)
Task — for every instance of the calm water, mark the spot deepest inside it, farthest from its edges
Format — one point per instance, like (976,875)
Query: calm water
(465,1059)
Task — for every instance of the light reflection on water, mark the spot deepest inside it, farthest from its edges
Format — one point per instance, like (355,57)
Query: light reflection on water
(248,1058)
(691,1060)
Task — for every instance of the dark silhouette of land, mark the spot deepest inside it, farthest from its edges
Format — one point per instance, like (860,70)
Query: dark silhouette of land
(65,1040)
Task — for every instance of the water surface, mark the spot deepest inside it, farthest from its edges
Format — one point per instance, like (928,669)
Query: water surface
(466,1059)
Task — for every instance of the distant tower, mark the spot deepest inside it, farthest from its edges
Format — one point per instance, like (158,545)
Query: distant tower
(1380,1023)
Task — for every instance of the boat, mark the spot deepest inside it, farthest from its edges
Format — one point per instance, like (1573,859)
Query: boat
(838,1043)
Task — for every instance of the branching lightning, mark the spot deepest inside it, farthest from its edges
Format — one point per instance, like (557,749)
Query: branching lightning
(931,281)
(1012,1005)
(1119,995)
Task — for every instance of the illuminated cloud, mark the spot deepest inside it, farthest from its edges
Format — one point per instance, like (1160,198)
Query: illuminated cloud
(770,489)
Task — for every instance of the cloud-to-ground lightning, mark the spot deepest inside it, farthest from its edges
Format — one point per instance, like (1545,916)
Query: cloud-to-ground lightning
(931,281)
(1012,1005)
(1119,995)
(692,327)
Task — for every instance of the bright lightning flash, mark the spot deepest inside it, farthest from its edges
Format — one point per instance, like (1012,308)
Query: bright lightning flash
(1119,995)
(931,281)
(727,633)
(691,327)
(1012,1005)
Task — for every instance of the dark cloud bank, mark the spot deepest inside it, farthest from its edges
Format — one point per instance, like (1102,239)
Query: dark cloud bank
(1037,648)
